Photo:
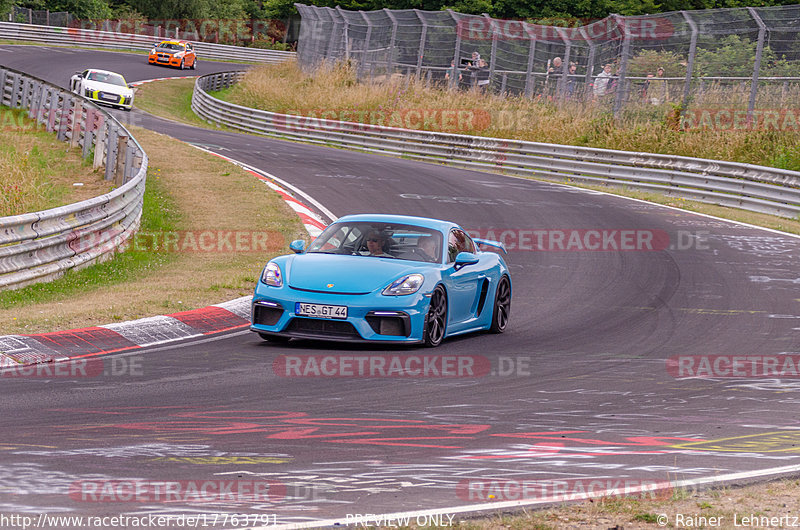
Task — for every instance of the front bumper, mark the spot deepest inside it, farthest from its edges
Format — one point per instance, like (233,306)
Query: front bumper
(107,98)
(370,318)
(165,59)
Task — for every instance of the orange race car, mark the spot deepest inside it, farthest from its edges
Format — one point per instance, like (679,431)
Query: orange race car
(179,53)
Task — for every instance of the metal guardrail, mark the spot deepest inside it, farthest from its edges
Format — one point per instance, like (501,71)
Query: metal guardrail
(127,41)
(41,246)
(750,187)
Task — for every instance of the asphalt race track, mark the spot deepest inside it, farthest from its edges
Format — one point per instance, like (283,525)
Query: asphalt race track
(578,388)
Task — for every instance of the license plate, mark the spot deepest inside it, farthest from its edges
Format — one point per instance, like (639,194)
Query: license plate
(108,97)
(320,310)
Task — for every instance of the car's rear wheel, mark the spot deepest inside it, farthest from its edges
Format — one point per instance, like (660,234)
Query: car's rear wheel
(194,64)
(502,306)
(183,64)
(436,319)
(274,338)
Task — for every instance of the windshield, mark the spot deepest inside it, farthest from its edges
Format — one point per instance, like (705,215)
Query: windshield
(380,240)
(170,46)
(107,77)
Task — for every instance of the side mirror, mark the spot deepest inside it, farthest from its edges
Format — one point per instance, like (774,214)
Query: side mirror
(297,246)
(465,258)
(79,74)
(156,45)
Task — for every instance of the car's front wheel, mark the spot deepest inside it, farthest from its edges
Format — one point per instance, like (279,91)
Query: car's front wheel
(436,319)
(274,338)
(502,306)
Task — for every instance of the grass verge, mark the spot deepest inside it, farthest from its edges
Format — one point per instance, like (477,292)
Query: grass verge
(37,171)
(686,509)
(185,256)
(335,93)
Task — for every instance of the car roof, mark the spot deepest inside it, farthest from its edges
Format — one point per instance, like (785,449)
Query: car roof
(426,222)
(174,42)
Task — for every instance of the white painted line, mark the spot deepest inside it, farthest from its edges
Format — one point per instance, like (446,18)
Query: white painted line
(730,477)
(709,216)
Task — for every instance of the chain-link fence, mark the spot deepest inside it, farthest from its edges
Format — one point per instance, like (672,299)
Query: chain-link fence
(24,15)
(704,60)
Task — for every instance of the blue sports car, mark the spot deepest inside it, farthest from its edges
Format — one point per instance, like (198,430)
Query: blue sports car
(383,278)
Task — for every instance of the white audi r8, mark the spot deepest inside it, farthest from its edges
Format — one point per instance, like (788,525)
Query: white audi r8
(104,87)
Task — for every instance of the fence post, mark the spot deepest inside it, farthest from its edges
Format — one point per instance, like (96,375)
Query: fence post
(100,145)
(330,56)
(687,86)
(111,155)
(14,92)
(493,52)
(75,123)
(3,77)
(36,100)
(622,88)
(364,55)
(346,30)
(52,111)
(562,79)
(457,54)
(63,117)
(529,80)
(390,54)
(590,63)
(121,151)
(422,38)
(762,30)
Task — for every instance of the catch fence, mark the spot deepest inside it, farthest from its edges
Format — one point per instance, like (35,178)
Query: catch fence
(738,58)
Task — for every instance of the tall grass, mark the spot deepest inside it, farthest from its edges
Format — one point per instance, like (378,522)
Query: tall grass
(334,91)
(36,170)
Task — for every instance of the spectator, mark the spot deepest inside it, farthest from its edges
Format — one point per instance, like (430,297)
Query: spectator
(482,75)
(572,79)
(553,69)
(658,89)
(601,82)
(453,75)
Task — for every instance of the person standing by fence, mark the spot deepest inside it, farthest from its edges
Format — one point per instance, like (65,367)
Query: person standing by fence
(601,82)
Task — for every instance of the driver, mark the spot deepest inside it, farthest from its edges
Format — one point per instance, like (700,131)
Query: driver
(375,242)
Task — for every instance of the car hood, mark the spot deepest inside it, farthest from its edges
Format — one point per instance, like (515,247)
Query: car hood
(107,87)
(345,274)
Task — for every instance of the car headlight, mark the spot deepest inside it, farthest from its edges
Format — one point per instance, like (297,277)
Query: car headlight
(272,275)
(409,284)
(153,51)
